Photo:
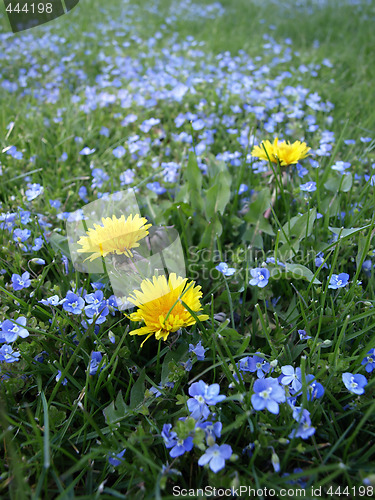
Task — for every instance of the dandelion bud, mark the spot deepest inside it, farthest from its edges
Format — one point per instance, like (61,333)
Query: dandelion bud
(41,262)
(275,462)
(210,440)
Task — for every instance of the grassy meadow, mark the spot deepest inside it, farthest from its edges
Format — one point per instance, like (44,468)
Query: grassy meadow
(237,361)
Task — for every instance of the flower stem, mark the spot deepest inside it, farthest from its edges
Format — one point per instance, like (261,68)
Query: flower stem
(158,357)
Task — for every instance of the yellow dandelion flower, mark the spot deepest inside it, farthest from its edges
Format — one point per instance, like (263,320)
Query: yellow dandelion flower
(258,151)
(114,235)
(160,306)
(286,153)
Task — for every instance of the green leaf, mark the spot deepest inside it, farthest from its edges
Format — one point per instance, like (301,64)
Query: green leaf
(257,209)
(182,195)
(245,343)
(56,417)
(167,209)
(116,411)
(181,399)
(218,195)
(265,226)
(252,235)
(175,356)
(292,313)
(347,183)
(296,350)
(213,230)
(287,251)
(330,205)
(299,271)
(361,248)
(193,177)
(333,183)
(230,334)
(338,182)
(298,227)
(193,174)
(137,393)
(258,206)
(215,166)
(60,243)
(344,233)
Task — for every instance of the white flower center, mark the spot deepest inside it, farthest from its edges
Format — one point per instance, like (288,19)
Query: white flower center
(200,399)
(339,282)
(353,384)
(15,329)
(266,393)
(74,304)
(21,282)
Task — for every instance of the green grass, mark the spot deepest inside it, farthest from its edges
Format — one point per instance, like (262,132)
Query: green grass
(56,438)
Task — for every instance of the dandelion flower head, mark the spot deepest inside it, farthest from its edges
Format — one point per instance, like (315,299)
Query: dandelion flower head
(160,305)
(286,153)
(114,236)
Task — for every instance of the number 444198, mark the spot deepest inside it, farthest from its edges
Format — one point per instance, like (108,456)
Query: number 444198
(39,8)
(352,492)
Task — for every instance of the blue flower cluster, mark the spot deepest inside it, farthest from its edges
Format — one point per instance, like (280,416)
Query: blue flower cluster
(137,87)
(203,397)
(10,331)
(94,305)
(269,392)
(16,223)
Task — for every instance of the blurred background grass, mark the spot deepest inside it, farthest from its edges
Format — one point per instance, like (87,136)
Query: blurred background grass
(339,31)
